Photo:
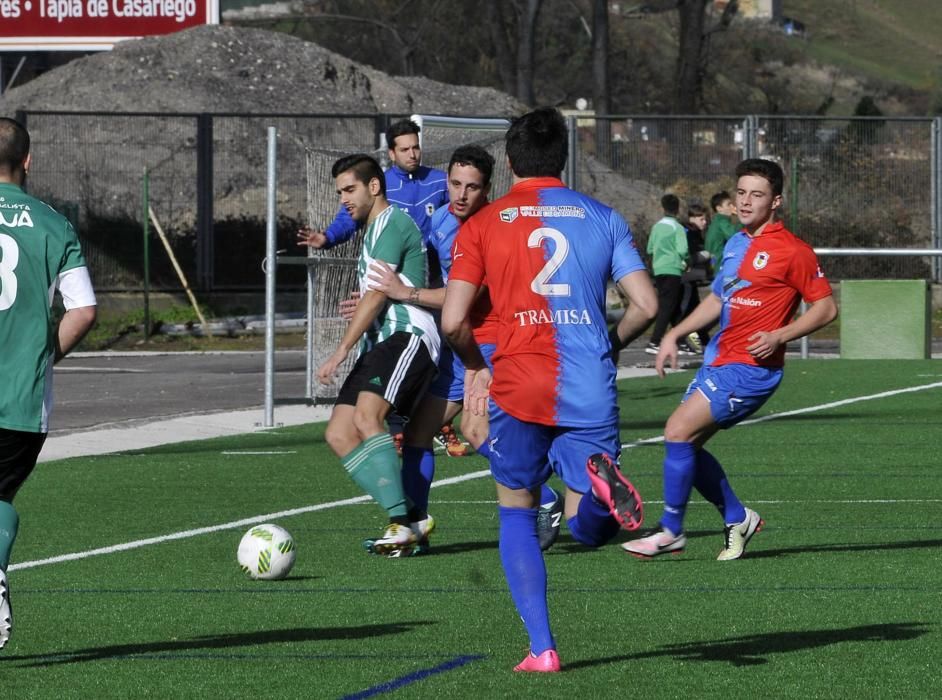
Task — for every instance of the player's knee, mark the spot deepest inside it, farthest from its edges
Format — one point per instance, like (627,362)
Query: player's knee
(366,423)
(341,438)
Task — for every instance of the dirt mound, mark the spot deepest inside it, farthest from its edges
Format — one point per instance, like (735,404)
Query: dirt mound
(239,69)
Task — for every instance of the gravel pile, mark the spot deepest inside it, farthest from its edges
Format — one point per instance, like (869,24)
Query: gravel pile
(239,69)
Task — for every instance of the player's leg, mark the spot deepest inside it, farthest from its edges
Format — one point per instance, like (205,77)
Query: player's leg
(418,457)
(593,492)
(18,454)
(519,465)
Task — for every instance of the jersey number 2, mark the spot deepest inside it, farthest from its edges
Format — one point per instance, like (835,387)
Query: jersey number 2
(9,257)
(540,283)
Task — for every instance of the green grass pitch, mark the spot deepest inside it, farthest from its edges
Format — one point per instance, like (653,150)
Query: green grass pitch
(839,596)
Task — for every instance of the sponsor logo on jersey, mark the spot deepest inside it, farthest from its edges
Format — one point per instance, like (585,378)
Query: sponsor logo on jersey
(560,317)
(16,219)
(553,212)
(745,301)
(508,216)
(819,272)
(761,260)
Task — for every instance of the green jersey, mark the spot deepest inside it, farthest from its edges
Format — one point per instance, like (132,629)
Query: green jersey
(667,246)
(721,229)
(36,245)
(394,238)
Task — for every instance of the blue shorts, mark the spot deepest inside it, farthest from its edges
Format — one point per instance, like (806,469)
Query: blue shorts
(735,391)
(449,384)
(523,455)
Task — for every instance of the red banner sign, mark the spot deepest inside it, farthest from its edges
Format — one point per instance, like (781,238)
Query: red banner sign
(88,25)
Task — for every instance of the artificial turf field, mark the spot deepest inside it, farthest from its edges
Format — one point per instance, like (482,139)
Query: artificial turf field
(840,595)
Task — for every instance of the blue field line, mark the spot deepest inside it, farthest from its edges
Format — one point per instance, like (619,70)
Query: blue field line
(410,678)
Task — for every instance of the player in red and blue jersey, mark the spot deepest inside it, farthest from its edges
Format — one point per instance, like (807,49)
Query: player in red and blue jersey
(546,254)
(765,272)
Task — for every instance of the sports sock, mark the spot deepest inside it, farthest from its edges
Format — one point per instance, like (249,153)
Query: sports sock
(484,450)
(679,467)
(710,480)
(547,495)
(9,524)
(593,524)
(418,470)
(525,570)
(374,466)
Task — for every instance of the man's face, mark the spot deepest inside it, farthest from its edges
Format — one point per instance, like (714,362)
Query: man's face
(355,196)
(466,190)
(728,208)
(755,202)
(406,152)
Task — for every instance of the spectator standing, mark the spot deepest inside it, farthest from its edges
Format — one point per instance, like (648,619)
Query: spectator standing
(667,246)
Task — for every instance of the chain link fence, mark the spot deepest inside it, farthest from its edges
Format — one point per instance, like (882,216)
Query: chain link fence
(863,182)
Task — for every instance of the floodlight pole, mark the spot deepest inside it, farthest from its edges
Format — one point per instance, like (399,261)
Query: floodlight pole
(270,266)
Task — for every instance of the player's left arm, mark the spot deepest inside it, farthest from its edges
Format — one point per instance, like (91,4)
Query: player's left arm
(81,310)
(804,275)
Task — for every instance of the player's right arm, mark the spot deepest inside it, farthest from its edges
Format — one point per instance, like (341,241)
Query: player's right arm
(368,308)
(341,230)
(704,315)
(385,279)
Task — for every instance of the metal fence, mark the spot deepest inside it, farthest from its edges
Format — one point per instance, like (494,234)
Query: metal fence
(862,182)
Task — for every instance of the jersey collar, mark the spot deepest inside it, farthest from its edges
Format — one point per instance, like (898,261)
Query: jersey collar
(537,183)
(770,228)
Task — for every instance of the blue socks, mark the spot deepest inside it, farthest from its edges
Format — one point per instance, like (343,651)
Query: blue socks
(525,571)
(679,467)
(710,480)
(593,524)
(418,471)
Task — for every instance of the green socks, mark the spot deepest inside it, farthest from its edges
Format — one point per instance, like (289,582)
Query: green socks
(374,466)
(9,524)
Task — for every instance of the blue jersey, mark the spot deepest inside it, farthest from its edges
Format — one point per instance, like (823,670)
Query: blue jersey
(418,194)
(443,228)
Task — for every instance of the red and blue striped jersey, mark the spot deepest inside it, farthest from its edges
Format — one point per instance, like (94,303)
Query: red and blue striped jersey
(761,281)
(546,254)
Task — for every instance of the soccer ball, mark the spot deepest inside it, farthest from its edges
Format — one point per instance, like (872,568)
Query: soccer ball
(267,552)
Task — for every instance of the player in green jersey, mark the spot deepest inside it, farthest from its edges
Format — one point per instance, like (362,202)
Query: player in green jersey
(399,348)
(39,252)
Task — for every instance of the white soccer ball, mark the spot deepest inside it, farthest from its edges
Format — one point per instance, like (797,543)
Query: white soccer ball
(267,552)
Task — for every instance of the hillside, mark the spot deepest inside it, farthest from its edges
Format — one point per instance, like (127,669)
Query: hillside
(898,41)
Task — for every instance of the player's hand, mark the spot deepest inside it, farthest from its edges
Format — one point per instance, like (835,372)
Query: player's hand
(384,279)
(477,390)
(763,344)
(666,354)
(311,238)
(347,307)
(327,372)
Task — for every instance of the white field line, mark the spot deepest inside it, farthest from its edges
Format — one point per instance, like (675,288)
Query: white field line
(185,534)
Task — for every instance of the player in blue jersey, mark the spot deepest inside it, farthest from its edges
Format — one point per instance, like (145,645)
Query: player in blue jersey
(469,182)
(416,189)
(546,254)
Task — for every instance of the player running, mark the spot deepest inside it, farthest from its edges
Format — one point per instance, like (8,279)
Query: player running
(765,272)
(546,254)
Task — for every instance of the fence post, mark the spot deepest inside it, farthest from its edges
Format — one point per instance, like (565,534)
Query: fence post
(935,205)
(145,195)
(271,264)
(204,202)
(570,173)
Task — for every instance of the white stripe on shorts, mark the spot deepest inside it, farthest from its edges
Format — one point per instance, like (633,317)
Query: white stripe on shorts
(401,368)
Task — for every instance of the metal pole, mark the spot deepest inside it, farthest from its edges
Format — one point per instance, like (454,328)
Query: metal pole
(309,345)
(145,196)
(570,176)
(271,264)
(935,204)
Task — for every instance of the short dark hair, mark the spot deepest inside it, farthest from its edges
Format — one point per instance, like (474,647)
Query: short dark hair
(760,167)
(399,128)
(476,157)
(538,143)
(696,210)
(717,199)
(14,144)
(363,166)
(670,204)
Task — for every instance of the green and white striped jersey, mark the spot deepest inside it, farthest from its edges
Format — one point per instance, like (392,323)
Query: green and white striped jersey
(37,244)
(394,238)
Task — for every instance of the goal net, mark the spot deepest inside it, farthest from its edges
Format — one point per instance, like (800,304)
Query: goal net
(333,275)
